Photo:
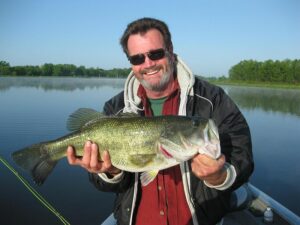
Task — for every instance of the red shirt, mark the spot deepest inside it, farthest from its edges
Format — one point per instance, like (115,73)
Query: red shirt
(163,200)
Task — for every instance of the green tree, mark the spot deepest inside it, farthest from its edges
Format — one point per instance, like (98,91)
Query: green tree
(4,68)
(80,71)
(18,70)
(47,69)
(32,71)
(296,66)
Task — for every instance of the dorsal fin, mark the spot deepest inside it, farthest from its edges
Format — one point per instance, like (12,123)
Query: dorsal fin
(83,117)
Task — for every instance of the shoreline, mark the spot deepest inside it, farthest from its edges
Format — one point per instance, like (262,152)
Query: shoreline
(210,80)
(256,84)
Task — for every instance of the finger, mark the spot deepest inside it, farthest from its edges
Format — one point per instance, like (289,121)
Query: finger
(204,166)
(106,160)
(86,158)
(197,163)
(107,164)
(71,156)
(94,163)
(206,160)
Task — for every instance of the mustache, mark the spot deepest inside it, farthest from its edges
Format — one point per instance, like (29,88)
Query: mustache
(152,68)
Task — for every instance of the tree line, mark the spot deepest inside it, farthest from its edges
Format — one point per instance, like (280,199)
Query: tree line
(57,70)
(286,71)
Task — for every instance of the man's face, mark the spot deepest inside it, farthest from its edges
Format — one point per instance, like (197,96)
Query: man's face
(154,75)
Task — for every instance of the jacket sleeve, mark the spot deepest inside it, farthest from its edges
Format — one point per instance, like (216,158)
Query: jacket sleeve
(234,136)
(117,187)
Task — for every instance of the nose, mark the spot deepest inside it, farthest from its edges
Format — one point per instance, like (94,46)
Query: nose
(148,62)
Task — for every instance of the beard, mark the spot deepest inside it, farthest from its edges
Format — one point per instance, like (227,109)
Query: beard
(163,83)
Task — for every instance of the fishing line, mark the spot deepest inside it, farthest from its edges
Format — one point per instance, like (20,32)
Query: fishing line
(37,195)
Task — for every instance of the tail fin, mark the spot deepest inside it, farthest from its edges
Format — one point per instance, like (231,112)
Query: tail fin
(36,160)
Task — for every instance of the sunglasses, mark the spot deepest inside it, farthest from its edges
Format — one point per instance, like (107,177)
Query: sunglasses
(153,55)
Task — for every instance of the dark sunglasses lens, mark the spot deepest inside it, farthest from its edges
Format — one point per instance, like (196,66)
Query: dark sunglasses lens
(153,55)
(137,59)
(156,54)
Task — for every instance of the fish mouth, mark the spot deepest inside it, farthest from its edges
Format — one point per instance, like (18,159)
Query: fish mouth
(165,152)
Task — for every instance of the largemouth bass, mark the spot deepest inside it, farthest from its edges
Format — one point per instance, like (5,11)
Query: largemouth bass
(135,144)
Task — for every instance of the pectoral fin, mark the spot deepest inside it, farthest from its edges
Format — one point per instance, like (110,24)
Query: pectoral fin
(148,177)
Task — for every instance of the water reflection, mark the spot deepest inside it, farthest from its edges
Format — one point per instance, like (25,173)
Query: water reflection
(250,98)
(267,99)
(59,83)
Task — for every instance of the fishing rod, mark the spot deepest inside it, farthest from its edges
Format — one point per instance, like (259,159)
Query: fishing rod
(37,195)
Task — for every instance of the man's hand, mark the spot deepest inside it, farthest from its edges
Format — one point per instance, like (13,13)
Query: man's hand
(208,169)
(90,160)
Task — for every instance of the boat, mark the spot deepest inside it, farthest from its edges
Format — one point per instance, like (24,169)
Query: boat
(250,206)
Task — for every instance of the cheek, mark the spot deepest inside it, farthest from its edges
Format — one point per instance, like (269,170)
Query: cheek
(167,64)
(136,69)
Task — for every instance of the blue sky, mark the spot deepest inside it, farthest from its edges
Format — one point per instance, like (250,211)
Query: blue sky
(209,35)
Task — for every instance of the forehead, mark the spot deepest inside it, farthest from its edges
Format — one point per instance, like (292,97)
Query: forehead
(144,42)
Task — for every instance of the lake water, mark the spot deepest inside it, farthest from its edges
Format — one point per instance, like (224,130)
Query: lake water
(36,109)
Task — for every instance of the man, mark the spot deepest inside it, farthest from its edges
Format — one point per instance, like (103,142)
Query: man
(194,192)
